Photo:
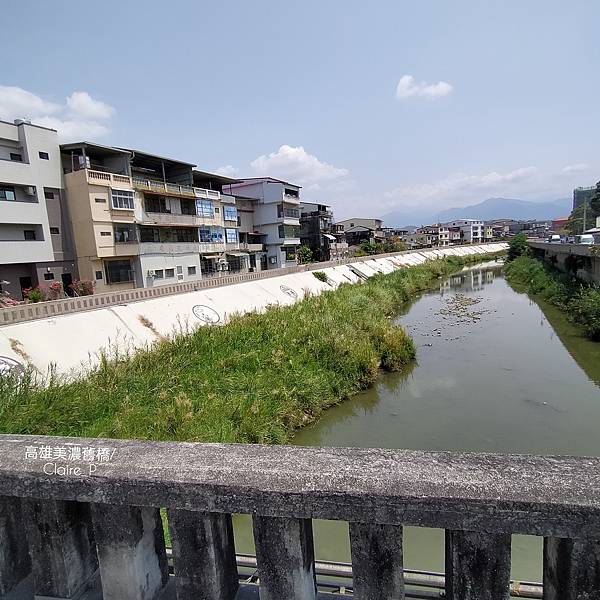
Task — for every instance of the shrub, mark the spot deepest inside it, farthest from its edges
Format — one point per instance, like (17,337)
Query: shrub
(585,308)
(321,276)
(83,287)
(33,294)
(517,246)
(305,255)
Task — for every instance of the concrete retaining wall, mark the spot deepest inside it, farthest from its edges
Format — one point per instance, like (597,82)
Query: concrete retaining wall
(74,342)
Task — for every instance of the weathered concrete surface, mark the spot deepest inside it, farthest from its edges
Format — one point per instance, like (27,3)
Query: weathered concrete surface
(376,561)
(203,555)
(16,578)
(541,495)
(62,546)
(558,254)
(571,569)
(131,552)
(477,566)
(285,557)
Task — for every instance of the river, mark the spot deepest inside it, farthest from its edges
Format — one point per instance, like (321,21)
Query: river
(495,372)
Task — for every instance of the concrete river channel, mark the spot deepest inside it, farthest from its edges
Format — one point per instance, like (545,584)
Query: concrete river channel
(495,372)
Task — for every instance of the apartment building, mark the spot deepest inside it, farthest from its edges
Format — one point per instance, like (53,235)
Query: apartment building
(35,236)
(252,240)
(142,220)
(276,216)
(471,230)
(318,232)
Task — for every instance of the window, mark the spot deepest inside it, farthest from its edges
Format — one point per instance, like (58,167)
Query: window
(159,274)
(29,234)
(290,254)
(187,208)
(156,204)
(48,195)
(210,234)
(48,276)
(100,200)
(54,231)
(122,199)
(16,157)
(118,271)
(191,270)
(105,233)
(43,155)
(230,213)
(231,236)
(204,208)
(184,235)
(125,234)
(98,274)
(216,210)
(7,193)
(169,273)
(288,231)
(149,234)
(179,270)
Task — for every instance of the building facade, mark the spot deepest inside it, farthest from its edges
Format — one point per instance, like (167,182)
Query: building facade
(584,194)
(359,230)
(471,231)
(276,216)
(36,246)
(318,231)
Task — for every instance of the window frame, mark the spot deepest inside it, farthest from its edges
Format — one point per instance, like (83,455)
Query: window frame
(120,195)
(54,231)
(45,156)
(13,154)
(107,272)
(7,188)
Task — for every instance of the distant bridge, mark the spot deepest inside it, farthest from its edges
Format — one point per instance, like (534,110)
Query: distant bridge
(586,265)
(80,518)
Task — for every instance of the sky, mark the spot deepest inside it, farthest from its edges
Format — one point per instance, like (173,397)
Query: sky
(371,106)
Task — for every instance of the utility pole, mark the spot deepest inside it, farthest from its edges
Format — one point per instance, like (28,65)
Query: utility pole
(584,217)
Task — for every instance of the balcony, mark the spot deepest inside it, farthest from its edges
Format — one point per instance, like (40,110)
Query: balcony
(169,248)
(232,246)
(119,249)
(211,247)
(291,199)
(162,188)
(156,218)
(108,179)
(251,247)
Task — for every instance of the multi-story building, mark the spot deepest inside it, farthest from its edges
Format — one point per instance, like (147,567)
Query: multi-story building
(276,216)
(252,240)
(472,230)
(317,231)
(35,235)
(360,230)
(142,220)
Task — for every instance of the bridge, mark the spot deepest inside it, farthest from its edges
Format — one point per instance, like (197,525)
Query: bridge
(80,518)
(583,260)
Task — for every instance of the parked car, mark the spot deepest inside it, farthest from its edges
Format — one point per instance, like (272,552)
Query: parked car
(586,238)
(555,239)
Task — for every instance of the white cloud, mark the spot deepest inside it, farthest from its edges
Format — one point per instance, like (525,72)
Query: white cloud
(461,188)
(81,117)
(294,164)
(576,168)
(227,171)
(408,88)
(82,105)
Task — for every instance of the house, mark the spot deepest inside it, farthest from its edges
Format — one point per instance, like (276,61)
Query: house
(317,231)
(360,230)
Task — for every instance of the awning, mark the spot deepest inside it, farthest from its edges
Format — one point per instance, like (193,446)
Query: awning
(236,253)
(329,236)
(209,255)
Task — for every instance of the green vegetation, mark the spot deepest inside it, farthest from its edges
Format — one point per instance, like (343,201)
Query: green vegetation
(392,244)
(305,255)
(320,275)
(255,379)
(580,301)
(584,216)
(517,246)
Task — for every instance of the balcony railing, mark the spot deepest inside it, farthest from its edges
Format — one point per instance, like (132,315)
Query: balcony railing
(174,189)
(156,218)
(169,247)
(72,508)
(251,247)
(104,178)
(212,247)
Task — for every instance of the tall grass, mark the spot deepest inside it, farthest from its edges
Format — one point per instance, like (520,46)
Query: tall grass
(255,379)
(580,301)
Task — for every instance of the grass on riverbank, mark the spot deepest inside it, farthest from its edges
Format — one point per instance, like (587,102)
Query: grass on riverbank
(255,379)
(580,301)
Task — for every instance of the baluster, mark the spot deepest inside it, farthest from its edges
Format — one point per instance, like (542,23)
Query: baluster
(571,569)
(377,571)
(477,566)
(285,557)
(203,555)
(16,578)
(63,553)
(131,552)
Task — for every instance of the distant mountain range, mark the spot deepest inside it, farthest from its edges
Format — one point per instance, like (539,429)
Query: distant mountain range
(492,208)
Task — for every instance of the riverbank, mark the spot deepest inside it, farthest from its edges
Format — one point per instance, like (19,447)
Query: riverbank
(578,300)
(256,379)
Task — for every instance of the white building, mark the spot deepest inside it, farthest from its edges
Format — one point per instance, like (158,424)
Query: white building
(472,230)
(276,215)
(35,240)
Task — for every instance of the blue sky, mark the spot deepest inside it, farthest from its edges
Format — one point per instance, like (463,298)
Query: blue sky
(371,106)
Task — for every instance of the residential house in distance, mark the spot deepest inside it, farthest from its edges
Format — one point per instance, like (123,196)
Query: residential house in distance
(471,231)
(35,235)
(559,225)
(429,236)
(389,232)
(276,216)
(317,231)
(360,230)
(252,240)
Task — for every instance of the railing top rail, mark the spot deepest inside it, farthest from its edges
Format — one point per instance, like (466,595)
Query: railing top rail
(540,495)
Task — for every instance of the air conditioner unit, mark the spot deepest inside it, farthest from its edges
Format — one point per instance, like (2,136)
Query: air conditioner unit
(150,272)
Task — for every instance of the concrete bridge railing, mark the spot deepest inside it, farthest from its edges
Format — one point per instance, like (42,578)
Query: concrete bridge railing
(72,510)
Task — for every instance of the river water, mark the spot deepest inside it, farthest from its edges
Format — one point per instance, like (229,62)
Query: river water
(495,372)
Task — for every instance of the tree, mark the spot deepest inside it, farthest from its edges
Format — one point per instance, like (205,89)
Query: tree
(575,224)
(517,247)
(595,203)
(305,255)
